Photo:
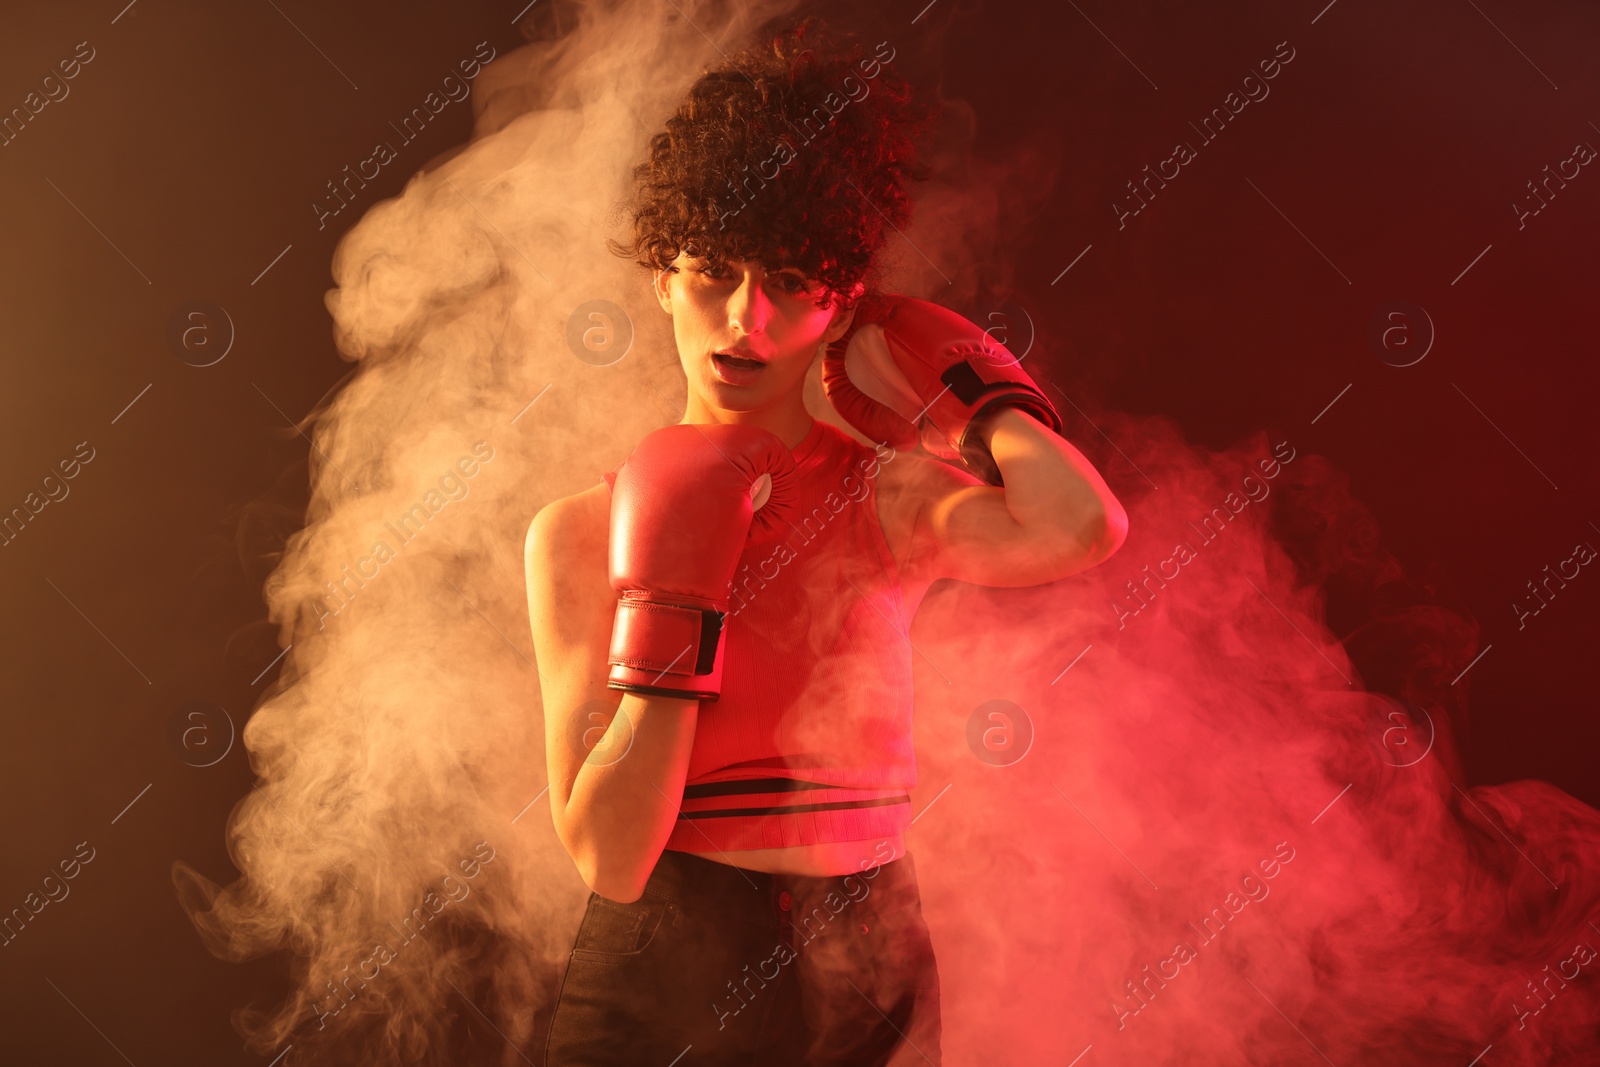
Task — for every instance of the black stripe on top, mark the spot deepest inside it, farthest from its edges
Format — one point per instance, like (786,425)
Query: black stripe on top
(752,785)
(794,808)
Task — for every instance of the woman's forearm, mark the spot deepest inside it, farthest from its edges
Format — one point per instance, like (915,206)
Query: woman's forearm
(625,799)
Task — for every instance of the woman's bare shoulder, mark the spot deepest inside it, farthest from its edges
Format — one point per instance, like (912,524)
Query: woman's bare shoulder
(570,525)
(564,560)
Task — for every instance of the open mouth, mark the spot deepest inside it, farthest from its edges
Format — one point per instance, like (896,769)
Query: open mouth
(727,359)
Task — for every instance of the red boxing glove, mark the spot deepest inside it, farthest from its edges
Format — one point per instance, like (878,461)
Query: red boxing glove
(905,361)
(682,509)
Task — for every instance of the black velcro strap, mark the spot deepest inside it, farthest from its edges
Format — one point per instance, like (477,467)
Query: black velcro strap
(710,632)
(964,382)
(971,390)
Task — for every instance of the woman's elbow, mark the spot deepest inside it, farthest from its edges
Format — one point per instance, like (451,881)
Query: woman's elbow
(1096,536)
(613,877)
(1109,530)
(621,886)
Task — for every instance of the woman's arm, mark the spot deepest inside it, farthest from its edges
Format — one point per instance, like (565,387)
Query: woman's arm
(615,809)
(1054,517)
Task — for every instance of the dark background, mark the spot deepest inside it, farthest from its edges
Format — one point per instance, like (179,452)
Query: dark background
(189,151)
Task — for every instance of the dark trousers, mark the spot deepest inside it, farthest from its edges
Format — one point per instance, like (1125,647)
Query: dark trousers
(717,964)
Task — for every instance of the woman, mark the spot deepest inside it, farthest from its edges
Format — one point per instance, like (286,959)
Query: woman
(723,620)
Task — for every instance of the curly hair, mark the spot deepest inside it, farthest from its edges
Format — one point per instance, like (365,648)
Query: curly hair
(793,154)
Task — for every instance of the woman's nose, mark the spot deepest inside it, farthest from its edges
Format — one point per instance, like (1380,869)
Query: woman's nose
(749,307)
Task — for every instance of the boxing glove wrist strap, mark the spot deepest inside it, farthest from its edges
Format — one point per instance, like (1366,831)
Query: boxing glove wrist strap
(665,649)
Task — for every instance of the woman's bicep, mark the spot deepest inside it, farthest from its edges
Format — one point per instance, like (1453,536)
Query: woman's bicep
(570,606)
(966,530)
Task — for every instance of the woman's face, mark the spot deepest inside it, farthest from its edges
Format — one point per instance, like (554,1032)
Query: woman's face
(746,336)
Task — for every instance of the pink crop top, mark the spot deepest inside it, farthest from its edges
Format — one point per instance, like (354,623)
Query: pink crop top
(810,740)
